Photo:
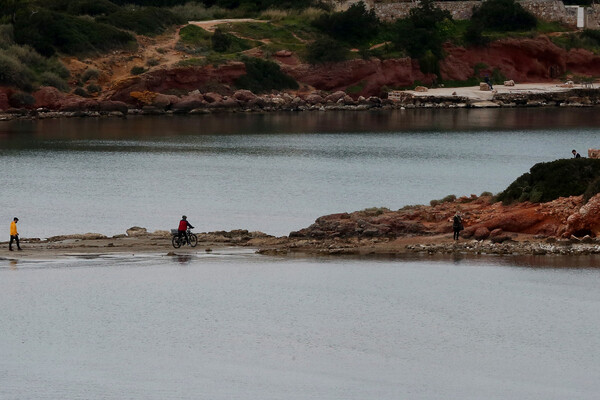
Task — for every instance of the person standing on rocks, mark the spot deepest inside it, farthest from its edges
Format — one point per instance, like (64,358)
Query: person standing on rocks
(457,225)
(488,81)
(575,154)
(14,235)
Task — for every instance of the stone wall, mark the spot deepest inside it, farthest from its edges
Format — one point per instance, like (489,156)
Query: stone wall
(592,17)
(548,10)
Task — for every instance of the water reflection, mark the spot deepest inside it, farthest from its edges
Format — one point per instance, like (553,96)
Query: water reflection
(25,133)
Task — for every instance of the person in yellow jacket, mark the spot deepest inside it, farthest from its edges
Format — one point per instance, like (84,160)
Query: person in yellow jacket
(14,235)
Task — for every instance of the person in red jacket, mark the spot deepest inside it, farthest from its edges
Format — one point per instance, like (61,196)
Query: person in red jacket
(183,226)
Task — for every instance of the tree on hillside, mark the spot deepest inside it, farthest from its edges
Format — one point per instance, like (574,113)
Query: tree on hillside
(354,26)
(10,8)
(503,16)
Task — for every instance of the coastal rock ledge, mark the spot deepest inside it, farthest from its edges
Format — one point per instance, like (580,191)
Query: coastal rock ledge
(567,225)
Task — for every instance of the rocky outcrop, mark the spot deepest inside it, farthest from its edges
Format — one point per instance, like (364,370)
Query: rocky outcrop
(521,60)
(360,77)
(179,78)
(564,217)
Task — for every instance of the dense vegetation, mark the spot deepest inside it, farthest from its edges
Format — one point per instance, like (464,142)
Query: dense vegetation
(551,180)
(33,33)
(263,76)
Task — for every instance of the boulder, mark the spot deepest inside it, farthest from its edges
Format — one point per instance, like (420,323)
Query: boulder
(164,100)
(334,97)
(481,233)
(212,97)
(484,87)
(137,231)
(314,99)
(509,83)
(110,106)
(244,96)
(421,89)
(187,105)
(50,97)
(283,53)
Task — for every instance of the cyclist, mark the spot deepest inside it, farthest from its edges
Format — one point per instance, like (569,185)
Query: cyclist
(183,226)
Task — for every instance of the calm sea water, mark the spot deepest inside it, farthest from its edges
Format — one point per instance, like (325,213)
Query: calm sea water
(235,325)
(242,326)
(275,173)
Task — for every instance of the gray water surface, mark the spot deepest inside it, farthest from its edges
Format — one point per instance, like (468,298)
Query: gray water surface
(275,173)
(242,326)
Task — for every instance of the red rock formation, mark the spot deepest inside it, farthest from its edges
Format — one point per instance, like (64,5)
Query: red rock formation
(178,78)
(523,60)
(560,218)
(367,76)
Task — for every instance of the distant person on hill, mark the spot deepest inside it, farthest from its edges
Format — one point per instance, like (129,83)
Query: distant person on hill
(183,226)
(575,154)
(14,235)
(488,81)
(457,225)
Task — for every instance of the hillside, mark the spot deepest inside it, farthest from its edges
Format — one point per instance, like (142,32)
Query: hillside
(110,49)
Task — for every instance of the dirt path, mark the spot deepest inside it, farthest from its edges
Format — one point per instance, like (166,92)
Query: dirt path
(212,24)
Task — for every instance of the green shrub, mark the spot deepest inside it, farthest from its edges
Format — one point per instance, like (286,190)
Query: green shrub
(449,199)
(551,180)
(325,50)
(137,70)
(51,79)
(90,7)
(264,76)
(48,31)
(197,12)
(194,35)
(143,21)
(6,36)
(152,62)
(14,73)
(93,88)
(90,73)
(354,26)
(421,32)
(503,16)
(486,194)
(220,41)
(81,92)
(21,99)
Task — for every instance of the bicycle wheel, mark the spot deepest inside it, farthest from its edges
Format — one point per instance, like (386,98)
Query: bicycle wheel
(193,240)
(176,242)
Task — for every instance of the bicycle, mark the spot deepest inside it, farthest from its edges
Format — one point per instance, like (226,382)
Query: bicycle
(179,241)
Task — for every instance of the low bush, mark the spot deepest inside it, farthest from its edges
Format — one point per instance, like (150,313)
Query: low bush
(48,31)
(6,36)
(81,92)
(93,88)
(51,79)
(137,70)
(220,41)
(88,74)
(21,99)
(198,12)
(263,76)
(152,62)
(14,73)
(551,180)
(325,50)
(143,21)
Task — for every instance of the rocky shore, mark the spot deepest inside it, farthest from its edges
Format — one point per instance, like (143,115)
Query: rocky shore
(565,227)
(50,103)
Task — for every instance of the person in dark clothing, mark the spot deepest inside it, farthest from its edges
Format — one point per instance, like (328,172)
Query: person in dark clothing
(488,81)
(457,225)
(575,154)
(182,230)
